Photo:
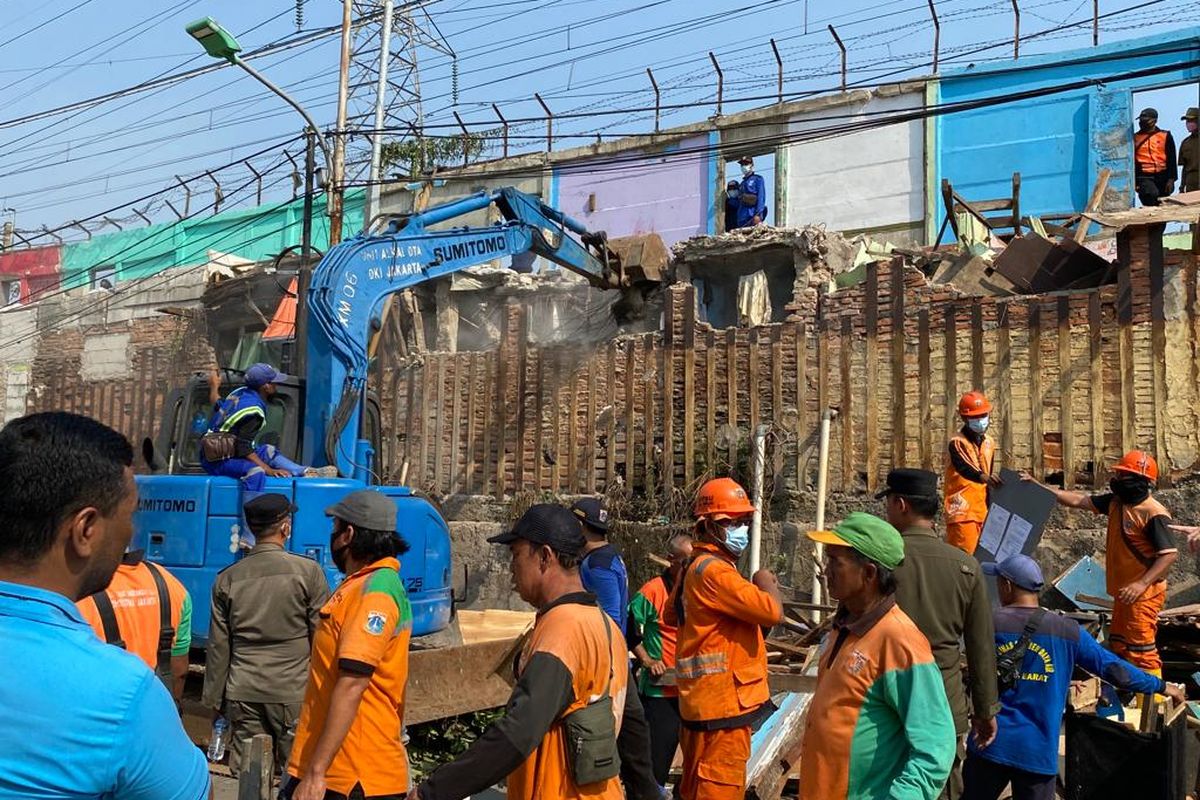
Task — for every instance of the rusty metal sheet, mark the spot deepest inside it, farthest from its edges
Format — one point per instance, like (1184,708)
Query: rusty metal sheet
(1035,265)
(450,681)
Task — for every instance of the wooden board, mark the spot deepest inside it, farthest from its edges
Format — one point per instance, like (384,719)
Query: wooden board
(492,624)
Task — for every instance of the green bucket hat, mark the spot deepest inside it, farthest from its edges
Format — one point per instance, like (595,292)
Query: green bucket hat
(869,535)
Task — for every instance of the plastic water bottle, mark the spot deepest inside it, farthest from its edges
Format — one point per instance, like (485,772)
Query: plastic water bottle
(216,744)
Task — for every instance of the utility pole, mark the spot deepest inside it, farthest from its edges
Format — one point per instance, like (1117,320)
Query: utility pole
(385,58)
(337,170)
(304,279)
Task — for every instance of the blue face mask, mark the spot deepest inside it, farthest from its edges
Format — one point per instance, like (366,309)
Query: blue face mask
(732,194)
(978,424)
(737,539)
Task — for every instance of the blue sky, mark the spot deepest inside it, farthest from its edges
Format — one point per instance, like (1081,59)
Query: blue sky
(585,57)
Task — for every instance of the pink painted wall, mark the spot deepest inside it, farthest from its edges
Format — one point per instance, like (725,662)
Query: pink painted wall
(664,194)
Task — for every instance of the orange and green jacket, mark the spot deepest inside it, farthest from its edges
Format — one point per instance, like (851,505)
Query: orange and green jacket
(879,725)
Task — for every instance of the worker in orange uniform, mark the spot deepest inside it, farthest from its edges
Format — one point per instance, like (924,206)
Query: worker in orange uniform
(558,738)
(1155,168)
(720,658)
(348,743)
(146,611)
(969,473)
(1139,550)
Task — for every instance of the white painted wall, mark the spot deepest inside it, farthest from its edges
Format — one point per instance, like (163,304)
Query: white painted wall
(869,179)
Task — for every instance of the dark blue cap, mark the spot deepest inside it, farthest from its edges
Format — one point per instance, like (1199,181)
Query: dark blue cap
(259,375)
(1020,569)
(591,512)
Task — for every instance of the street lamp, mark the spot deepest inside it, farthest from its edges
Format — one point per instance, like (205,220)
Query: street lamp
(220,43)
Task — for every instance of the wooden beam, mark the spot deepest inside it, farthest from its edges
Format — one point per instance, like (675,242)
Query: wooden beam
(521,449)
(1125,343)
(977,345)
(731,379)
(950,365)
(589,428)
(1093,204)
(802,423)
(455,480)
(489,416)
(898,345)
(846,415)
(924,390)
(710,400)
(650,384)
(257,769)
(1035,389)
(1158,357)
(1066,422)
(610,450)
(540,403)
(1004,366)
(473,379)
(689,390)
(631,384)
(871,400)
(667,370)
(1096,387)
(439,447)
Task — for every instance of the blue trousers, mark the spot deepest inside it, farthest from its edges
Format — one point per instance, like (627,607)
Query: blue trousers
(250,474)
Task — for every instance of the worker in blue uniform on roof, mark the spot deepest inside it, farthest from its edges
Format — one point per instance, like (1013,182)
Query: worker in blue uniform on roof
(752,200)
(602,570)
(228,448)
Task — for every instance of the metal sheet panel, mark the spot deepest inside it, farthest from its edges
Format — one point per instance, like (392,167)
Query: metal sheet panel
(869,179)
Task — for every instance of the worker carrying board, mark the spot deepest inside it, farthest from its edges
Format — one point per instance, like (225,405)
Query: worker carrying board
(969,461)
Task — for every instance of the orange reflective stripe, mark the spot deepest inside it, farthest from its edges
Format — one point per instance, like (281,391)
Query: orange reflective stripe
(1150,151)
(703,664)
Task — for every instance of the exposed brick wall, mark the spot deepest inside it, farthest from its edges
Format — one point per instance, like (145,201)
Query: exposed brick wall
(630,416)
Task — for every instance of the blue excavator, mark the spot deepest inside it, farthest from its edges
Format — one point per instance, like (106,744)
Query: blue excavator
(192,522)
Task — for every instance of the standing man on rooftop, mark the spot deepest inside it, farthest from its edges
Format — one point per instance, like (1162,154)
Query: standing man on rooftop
(752,196)
(942,590)
(1189,152)
(79,720)
(1154,159)
(265,611)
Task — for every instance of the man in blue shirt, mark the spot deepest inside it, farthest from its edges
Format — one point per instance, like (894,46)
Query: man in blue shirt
(602,570)
(79,719)
(1025,750)
(752,199)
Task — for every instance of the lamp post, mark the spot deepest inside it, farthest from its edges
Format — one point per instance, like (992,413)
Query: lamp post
(220,43)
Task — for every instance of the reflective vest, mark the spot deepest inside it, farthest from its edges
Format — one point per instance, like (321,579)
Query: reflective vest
(241,403)
(1150,151)
(966,501)
(720,657)
(1129,552)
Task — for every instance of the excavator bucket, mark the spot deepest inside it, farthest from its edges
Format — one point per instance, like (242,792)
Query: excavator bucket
(643,258)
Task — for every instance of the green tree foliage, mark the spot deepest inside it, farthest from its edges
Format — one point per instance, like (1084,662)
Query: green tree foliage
(423,154)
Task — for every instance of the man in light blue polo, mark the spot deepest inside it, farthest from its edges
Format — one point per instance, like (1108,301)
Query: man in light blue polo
(79,719)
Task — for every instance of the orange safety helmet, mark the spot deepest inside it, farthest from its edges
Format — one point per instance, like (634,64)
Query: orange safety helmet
(1138,462)
(974,404)
(722,497)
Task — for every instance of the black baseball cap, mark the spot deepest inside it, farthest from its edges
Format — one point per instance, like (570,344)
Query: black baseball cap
(591,512)
(267,509)
(910,483)
(549,524)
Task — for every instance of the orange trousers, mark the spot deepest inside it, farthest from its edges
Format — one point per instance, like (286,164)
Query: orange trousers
(964,535)
(1131,635)
(714,764)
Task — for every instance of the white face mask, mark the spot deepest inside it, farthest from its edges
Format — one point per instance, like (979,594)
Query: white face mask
(978,424)
(732,194)
(747,170)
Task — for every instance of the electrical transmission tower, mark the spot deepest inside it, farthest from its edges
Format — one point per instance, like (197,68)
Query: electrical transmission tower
(385,82)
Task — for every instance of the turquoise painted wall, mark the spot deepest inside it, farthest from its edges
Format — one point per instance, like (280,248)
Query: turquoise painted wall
(257,234)
(1058,142)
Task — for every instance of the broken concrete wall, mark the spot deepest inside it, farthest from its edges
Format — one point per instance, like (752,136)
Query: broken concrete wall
(113,357)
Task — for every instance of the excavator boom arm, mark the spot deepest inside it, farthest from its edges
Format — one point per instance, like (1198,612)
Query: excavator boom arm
(352,281)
